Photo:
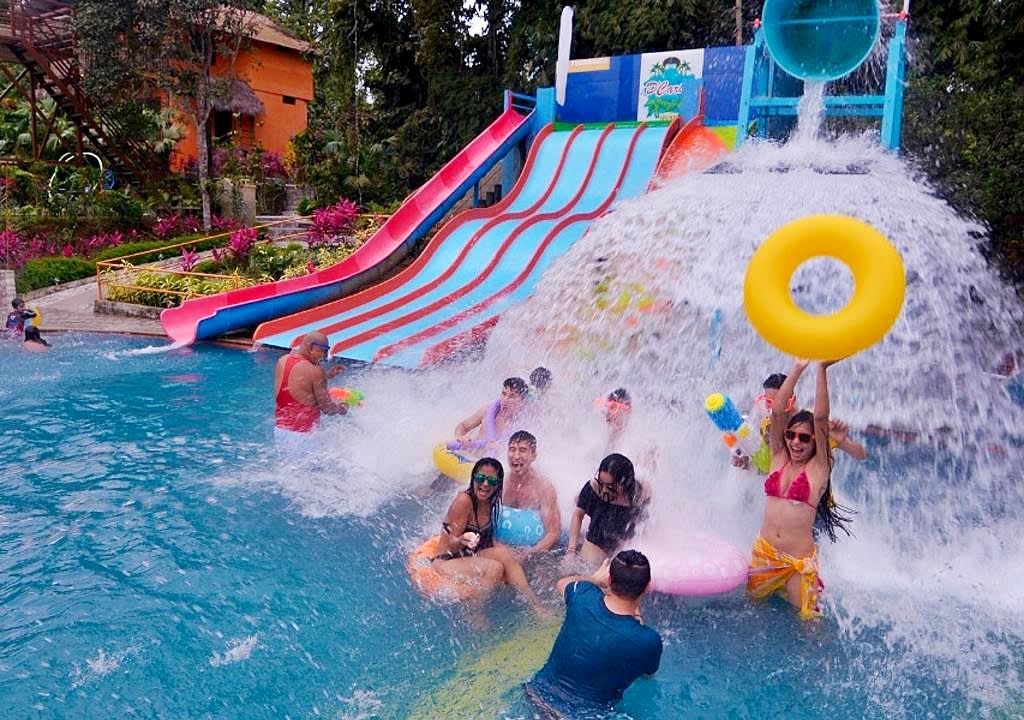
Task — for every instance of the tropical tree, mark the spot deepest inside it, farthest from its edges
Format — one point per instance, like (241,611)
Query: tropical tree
(144,47)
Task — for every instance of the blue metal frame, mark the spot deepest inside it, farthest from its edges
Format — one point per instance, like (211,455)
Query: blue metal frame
(762,78)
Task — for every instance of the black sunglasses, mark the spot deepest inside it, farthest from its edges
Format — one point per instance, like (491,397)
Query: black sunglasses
(803,437)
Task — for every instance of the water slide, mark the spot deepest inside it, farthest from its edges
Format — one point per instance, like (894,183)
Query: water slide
(215,315)
(485,260)
(694,149)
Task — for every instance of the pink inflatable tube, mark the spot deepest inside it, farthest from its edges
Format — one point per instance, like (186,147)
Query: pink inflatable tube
(698,565)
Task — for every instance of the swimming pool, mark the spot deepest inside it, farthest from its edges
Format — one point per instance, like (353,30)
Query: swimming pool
(152,565)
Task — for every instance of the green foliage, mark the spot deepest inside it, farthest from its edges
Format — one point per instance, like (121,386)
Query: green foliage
(157,247)
(47,271)
(189,286)
(964,119)
(970,143)
(119,207)
(272,261)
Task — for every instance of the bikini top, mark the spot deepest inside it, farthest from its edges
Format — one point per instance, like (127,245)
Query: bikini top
(798,490)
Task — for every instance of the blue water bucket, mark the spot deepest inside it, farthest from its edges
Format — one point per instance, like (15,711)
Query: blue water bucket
(820,39)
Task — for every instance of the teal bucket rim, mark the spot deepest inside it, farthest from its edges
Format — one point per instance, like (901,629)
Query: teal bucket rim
(767,28)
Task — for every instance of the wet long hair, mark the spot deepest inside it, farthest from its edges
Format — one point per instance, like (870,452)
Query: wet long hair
(32,335)
(496,495)
(829,515)
(621,469)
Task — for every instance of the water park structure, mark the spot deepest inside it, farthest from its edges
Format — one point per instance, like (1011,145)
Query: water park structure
(626,123)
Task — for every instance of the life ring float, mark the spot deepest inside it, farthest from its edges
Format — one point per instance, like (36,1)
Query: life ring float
(519,527)
(456,465)
(879,286)
(700,564)
(429,581)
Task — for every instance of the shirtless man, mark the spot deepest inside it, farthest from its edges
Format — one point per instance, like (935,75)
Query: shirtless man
(300,388)
(527,490)
(514,392)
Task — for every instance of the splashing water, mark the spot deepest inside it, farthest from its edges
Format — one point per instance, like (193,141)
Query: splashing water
(633,304)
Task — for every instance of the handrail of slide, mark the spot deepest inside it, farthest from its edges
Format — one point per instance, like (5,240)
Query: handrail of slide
(215,314)
(324,312)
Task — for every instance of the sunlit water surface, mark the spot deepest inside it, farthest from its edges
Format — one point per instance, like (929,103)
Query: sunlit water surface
(159,559)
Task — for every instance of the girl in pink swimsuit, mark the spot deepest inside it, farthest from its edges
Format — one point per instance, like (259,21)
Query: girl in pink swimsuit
(799,502)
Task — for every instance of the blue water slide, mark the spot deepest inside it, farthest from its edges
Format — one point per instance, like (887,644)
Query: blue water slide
(466,230)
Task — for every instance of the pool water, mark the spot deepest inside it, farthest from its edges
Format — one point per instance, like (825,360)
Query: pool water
(157,561)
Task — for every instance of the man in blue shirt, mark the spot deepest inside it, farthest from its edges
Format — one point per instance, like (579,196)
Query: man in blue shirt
(603,645)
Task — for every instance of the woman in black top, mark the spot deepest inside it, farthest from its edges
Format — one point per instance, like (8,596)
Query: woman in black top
(614,501)
(469,553)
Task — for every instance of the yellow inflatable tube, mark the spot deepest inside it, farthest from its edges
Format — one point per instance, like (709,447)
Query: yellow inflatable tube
(453,463)
(879,285)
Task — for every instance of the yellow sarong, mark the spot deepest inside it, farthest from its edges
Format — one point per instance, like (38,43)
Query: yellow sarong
(771,569)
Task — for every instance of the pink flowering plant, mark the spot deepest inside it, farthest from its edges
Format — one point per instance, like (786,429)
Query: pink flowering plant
(189,258)
(241,243)
(334,225)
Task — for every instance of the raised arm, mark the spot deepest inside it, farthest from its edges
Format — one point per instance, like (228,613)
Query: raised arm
(464,428)
(839,437)
(821,410)
(777,430)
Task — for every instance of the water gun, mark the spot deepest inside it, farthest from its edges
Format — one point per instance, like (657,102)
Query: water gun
(352,398)
(737,434)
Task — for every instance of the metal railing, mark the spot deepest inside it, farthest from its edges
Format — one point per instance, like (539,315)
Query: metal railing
(122,274)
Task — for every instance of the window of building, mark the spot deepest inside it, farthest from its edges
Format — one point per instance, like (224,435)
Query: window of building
(223,123)
(287,99)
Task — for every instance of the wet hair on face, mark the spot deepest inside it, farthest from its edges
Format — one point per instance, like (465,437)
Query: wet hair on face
(540,378)
(630,574)
(621,395)
(523,436)
(773,381)
(516,385)
(32,335)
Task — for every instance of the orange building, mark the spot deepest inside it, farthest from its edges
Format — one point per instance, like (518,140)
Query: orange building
(270,96)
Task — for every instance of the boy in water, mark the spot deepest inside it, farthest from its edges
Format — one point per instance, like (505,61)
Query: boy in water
(15,327)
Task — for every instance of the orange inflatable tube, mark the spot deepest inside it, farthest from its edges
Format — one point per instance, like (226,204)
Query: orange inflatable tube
(429,581)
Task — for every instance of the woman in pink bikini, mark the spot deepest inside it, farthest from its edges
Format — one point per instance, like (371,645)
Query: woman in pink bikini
(799,502)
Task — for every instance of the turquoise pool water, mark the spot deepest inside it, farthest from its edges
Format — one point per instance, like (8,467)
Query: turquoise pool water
(150,567)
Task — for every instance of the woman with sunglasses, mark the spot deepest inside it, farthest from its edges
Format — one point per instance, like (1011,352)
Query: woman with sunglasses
(467,553)
(839,432)
(614,501)
(799,500)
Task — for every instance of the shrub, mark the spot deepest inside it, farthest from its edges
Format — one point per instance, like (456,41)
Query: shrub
(190,286)
(158,253)
(119,206)
(47,271)
(334,225)
(275,261)
(241,242)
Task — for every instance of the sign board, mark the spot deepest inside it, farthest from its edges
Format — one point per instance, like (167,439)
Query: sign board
(663,77)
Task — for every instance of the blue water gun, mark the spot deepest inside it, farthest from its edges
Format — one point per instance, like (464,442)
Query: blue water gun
(737,434)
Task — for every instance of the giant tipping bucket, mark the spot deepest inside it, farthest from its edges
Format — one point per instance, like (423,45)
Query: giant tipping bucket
(820,39)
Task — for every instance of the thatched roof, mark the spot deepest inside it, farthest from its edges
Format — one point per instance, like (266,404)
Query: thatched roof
(239,98)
